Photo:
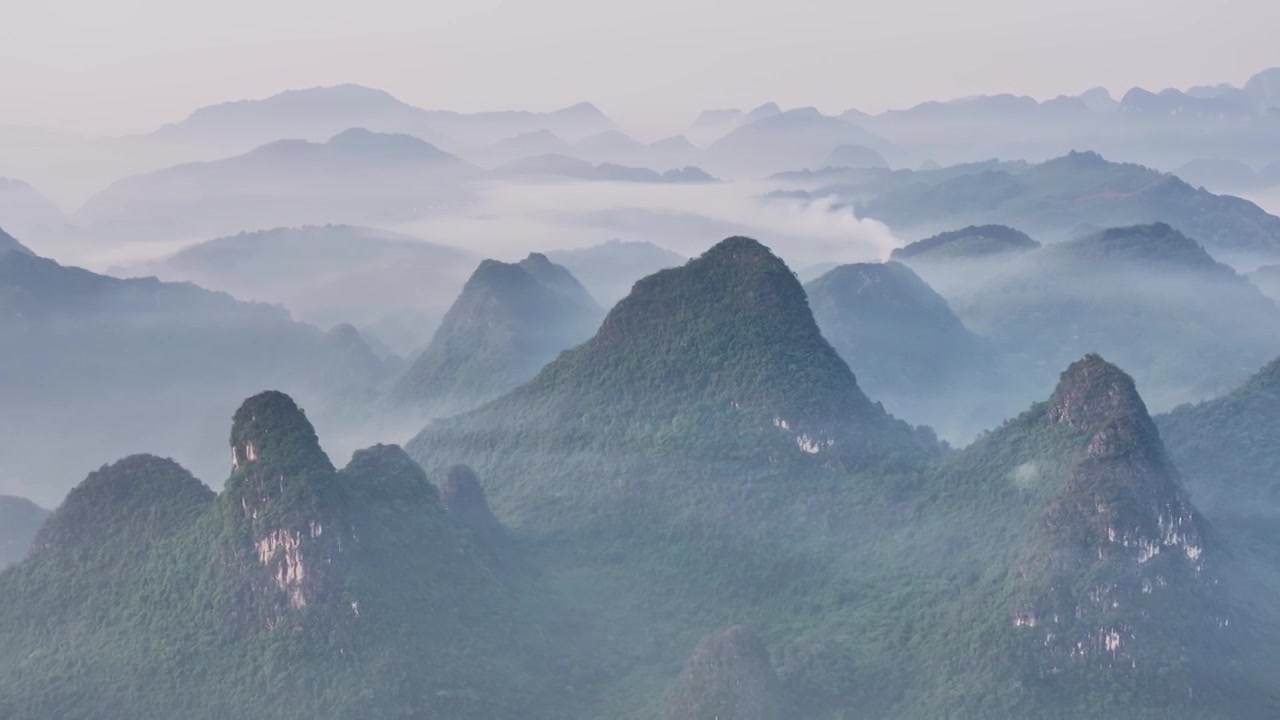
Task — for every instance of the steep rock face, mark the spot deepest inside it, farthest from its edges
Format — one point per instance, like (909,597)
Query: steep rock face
(728,676)
(350,594)
(286,495)
(509,321)
(20,519)
(1124,576)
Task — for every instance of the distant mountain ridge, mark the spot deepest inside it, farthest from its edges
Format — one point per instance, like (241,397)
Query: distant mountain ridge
(392,286)
(19,520)
(95,364)
(1072,195)
(320,112)
(356,176)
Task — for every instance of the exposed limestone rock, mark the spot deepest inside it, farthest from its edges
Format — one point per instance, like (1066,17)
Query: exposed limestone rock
(1119,537)
(288,494)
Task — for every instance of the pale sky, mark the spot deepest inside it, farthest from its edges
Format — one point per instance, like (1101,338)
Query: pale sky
(130,65)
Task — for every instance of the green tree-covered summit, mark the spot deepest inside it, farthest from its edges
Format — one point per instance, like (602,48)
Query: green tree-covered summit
(509,321)
(298,592)
(719,360)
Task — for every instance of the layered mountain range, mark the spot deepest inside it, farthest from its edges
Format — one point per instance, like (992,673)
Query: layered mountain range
(696,513)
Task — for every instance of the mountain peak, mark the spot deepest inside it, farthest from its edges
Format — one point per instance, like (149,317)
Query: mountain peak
(509,320)
(391,145)
(463,496)
(137,500)
(729,675)
(731,329)
(385,474)
(1091,392)
(270,426)
(766,110)
(971,241)
(1156,242)
(583,110)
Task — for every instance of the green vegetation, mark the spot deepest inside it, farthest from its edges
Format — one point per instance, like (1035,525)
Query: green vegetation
(706,461)
(509,321)
(1228,448)
(19,520)
(969,242)
(646,473)
(298,592)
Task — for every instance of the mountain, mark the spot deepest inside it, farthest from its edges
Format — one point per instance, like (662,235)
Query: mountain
(312,114)
(26,211)
(1115,594)
(707,456)
(1226,450)
(518,147)
(966,243)
(510,320)
(357,176)
(728,676)
(711,125)
(1267,278)
(767,110)
(855,156)
(1219,175)
(19,520)
(904,344)
(394,286)
(719,358)
(9,243)
(96,366)
(1059,198)
(801,138)
(350,592)
(609,270)
(567,167)
(1186,326)
(1264,88)
(1173,102)
(1099,100)
(320,112)
(617,148)
(1161,128)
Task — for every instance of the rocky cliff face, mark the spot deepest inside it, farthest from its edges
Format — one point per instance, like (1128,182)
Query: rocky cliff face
(286,495)
(1121,574)
(464,497)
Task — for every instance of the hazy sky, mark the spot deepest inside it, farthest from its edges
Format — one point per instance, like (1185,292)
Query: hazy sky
(128,65)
